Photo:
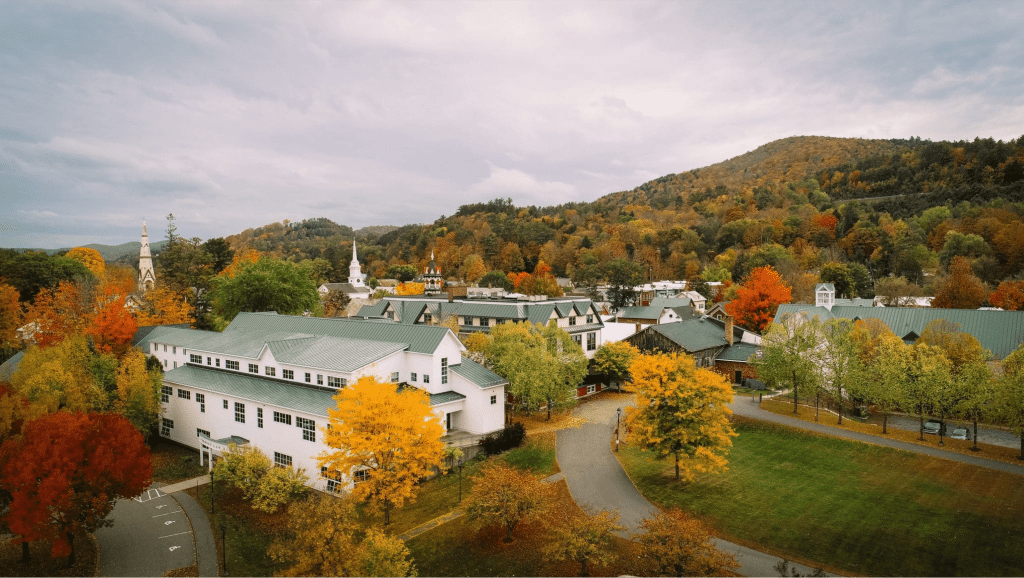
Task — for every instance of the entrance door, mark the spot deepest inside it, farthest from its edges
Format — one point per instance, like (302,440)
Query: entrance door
(739,377)
(448,422)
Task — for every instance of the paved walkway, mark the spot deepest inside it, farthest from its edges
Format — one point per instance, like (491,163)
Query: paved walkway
(747,407)
(597,481)
(162,529)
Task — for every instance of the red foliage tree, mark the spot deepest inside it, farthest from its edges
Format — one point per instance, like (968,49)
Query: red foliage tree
(1009,295)
(757,300)
(65,473)
(112,327)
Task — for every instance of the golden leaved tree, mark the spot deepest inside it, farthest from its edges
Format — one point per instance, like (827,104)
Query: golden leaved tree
(389,435)
(507,496)
(682,412)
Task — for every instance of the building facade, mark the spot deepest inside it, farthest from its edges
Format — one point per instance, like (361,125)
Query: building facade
(268,380)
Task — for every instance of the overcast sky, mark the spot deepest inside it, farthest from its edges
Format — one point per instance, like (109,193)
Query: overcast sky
(237,114)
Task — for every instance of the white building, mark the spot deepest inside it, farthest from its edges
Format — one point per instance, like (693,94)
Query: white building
(356,287)
(268,380)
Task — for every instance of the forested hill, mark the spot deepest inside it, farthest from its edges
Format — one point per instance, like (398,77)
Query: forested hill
(788,160)
(874,208)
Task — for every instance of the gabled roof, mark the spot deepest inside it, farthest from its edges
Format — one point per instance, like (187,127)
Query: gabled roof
(475,373)
(740,352)
(671,302)
(296,397)
(10,366)
(332,353)
(1001,332)
(346,288)
(693,334)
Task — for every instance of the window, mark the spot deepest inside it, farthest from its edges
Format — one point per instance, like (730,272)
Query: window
(225,404)
(572,321)
(412,377)
(319,379)
(426,378)
(259,417)
(591,389)
(334,381)
(285,418)
(426,318)
(444,370)
(494,400)
(174,349)
(282,460)
(394,377)
(287,374)
(209,361)
(271,371)
(175,365)
(239,412)
(195,358)
(201,400)
(165,393)
(185,394)
(166,425)
(202,431)
(332,479)
(231,365)
(485,322)
(165,348)
(253,368)
(165,363)
(308,378)
(360,476)
(578,339)
(308,428)
(591,341)
(217,362)
(590,318)
(156,347)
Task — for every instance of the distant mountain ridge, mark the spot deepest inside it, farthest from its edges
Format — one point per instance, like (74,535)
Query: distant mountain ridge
(108,252)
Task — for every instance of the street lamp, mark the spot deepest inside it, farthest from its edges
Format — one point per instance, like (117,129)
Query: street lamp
(224,546)
(213,509)
(460,478)
(618,414)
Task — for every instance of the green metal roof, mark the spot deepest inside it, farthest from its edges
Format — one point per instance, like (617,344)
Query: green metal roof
(693,334)
(473,372)
(332,353)
(445,397)
(410,308)
(294,397)
(1001,332)
(740,352)
(420,338)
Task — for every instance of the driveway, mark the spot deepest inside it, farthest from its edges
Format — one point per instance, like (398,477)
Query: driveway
(597,481)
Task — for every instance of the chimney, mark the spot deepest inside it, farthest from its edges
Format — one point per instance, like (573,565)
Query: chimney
(451,297)
(637,328)
(728,329)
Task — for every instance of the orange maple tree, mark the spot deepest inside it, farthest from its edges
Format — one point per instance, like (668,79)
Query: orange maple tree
(56,314)
(757,300)
(962,290)
(1009,295)
(409,288)
(11,316)
(112,327)
(66,472)
(164,306)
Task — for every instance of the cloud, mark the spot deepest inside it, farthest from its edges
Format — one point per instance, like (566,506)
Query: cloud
(524,189)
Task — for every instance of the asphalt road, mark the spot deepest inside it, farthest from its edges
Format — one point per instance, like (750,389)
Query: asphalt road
(151,535)
(597,481)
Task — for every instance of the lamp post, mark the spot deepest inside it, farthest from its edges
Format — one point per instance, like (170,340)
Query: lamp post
(618,414)
(213,509)
(224,546)
(460,478)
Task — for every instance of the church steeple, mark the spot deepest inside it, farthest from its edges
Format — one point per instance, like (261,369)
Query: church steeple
(355,273)
(147,277)
(432,280)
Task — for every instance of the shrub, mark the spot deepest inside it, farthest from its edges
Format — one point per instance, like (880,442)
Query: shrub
(511,436)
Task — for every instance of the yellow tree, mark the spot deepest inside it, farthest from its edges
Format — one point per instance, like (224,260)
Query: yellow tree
(58,377)
(676,544)
(409,288)
(390,436)
(164,306)
(91,258)
(682,412)
(507,496)
(585,539)
(11,316)
(138,392)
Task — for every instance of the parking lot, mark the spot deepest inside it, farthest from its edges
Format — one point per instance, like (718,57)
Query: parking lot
(150,536)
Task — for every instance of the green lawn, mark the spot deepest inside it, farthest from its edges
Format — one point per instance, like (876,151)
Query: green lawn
(858,507)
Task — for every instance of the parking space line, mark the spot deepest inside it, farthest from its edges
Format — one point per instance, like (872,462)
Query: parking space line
(171,535)
(167,514)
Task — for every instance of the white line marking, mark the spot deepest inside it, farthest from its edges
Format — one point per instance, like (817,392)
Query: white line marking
(169,535)
(167,514)
(173,548)
(168,522)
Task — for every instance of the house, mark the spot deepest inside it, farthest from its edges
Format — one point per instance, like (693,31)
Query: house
(660,310)
(1001,332)
(268,380)
(713,343)
(670,289)
(825,296)
(356,287)
(579,317)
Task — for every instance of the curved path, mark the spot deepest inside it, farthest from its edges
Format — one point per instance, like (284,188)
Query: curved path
(597,481)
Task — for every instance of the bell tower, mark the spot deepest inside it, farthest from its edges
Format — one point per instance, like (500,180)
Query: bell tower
(355,273)
(432,280)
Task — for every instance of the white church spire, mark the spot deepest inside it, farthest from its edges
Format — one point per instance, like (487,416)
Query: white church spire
(147,277)
(355,273)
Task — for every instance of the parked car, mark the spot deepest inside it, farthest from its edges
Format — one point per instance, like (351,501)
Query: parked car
(934,427)
(960,433)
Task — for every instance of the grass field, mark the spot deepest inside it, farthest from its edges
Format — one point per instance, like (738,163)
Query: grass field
(857,507)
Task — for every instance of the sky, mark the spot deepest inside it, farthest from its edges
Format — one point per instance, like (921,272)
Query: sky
(234,115)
